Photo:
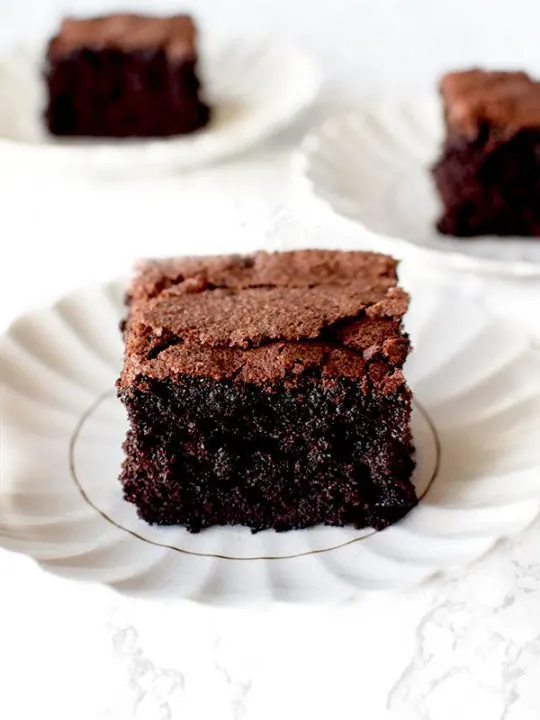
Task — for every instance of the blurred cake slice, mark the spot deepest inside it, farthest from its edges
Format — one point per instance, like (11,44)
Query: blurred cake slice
(124,76)
(488,175)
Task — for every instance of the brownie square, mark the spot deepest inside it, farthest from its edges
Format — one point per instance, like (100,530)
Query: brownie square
(488,175)
(124,76)
(267,391)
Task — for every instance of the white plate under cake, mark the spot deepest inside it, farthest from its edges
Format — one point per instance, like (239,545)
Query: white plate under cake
(476,422)
(254,86)
(373,166)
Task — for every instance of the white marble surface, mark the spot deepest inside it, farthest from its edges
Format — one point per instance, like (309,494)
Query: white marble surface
(466,646)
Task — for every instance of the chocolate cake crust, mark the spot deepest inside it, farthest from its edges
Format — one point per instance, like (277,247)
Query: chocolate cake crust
(176,35)
(265,317)
(267,391)
(508,101)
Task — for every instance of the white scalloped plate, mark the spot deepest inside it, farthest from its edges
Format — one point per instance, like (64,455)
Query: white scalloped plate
(256,88)
(476,426)
(372,166)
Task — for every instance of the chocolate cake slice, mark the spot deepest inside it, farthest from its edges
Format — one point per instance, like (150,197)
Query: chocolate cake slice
(488,175)
(124,76)
(267,391)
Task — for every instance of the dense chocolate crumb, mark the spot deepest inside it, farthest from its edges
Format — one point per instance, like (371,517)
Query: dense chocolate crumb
(201,453)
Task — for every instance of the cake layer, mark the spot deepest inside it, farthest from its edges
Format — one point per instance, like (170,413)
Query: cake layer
(124,76)
(267,391)
(201,453)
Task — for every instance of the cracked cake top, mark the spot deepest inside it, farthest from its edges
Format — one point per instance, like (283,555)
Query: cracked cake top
(267,318)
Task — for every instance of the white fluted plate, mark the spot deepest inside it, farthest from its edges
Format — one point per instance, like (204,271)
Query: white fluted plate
(256,87)
(373,167)
(476,427)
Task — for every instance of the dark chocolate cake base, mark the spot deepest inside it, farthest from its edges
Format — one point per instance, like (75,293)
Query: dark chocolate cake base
(113,93)
(201,453)
(490,190)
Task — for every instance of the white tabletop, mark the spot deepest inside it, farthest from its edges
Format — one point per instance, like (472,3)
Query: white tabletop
(467,645)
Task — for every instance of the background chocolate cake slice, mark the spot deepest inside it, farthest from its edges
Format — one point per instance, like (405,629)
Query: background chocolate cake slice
(488,175)
(268,391)
(124,76)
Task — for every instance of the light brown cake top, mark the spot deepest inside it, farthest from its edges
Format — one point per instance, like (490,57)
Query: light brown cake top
(508,101)
(294,269)
(265,316)
(176,34)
